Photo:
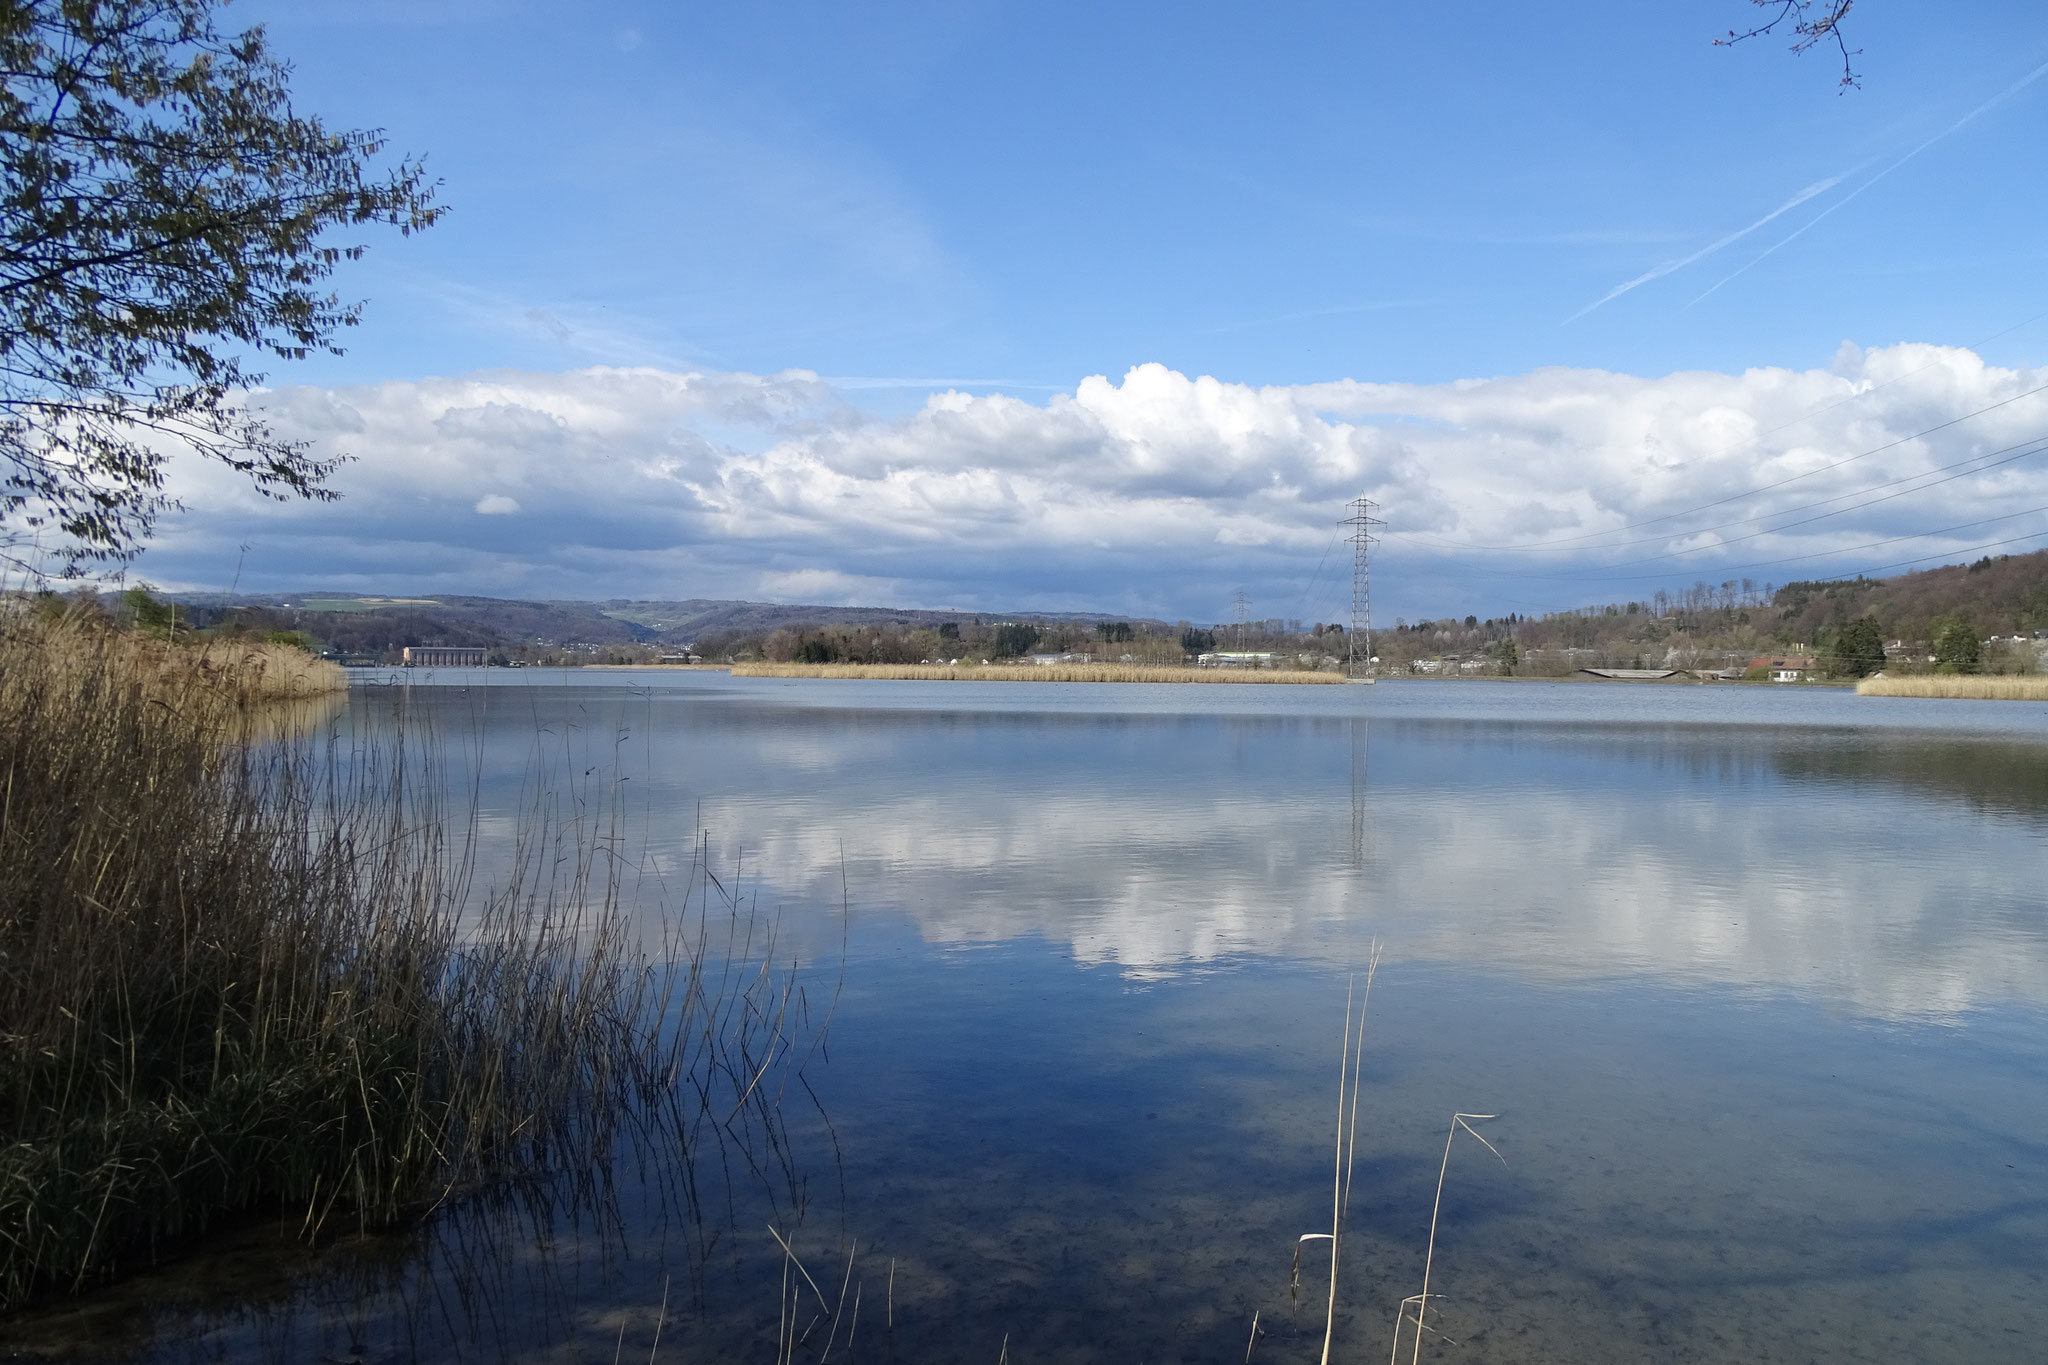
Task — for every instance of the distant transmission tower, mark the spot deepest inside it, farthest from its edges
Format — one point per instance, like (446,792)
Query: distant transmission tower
(1242,605)
(1362,523)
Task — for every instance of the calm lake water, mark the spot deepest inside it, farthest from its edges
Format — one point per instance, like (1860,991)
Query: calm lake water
(1755,980)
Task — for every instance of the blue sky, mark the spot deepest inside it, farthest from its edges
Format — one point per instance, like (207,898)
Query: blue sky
(1000,201)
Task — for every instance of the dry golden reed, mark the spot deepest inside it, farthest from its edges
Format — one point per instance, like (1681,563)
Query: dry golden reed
(1096,673)
(1959,686)
(261,671)
(243,975)
(238,672)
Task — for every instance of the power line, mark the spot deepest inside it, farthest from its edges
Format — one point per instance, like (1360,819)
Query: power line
(1770,563)
(1892,540)
(1988,545)
(1317,575)
(1855,397)
(1843,573)
(1765,488)
(2037,447)
(2021,446)
(2033,446)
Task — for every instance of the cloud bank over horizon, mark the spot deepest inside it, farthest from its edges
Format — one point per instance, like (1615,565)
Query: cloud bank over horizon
(1157,494)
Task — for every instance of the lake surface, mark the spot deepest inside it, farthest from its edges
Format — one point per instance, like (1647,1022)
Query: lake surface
(1755,980)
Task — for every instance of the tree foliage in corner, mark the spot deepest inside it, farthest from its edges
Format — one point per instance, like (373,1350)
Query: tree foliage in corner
(164,220)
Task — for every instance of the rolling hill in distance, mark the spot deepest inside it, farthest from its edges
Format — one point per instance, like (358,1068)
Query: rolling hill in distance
(2002,596)
(365,624)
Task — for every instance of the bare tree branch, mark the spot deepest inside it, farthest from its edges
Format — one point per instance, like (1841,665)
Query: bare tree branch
(1813,22)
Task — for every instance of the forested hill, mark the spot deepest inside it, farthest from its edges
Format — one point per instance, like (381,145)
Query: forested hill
(1992,597)
(2003,596)
(1726,623)
(697,618)
(620,629)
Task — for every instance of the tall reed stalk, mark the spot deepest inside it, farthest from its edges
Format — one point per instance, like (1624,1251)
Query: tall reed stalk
(1420,1302)
(1350,1067)
(243,977)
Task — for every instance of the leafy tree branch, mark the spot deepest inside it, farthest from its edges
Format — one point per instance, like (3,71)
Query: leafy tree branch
(165,226)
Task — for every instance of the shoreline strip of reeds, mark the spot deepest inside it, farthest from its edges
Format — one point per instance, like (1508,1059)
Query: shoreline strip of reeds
(244,977)
(1960,686)
(1097,673)
(238,671)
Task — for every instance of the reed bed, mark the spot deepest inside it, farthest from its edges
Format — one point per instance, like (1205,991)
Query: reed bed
(258,671)
(2030,688)
(1095,673)
(239,672)
(243,979)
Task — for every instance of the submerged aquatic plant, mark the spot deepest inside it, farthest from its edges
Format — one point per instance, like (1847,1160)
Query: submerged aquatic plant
(1350,1064)
(1350,1058)
(790,1303)
(1420,1301)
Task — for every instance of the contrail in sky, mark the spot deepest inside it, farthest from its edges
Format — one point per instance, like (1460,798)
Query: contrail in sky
(2000,98)
(1817,187)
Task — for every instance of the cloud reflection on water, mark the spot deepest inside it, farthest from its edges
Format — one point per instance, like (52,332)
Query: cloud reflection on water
(1891,874)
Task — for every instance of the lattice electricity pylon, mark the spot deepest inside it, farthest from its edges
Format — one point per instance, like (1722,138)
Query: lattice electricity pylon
(1241,605)
(1362,523)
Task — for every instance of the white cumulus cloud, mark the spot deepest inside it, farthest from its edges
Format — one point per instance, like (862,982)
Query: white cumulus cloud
(1156,492)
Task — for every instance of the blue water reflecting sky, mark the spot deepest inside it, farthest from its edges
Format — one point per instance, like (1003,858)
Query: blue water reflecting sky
(1755,979)
(1874,855)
